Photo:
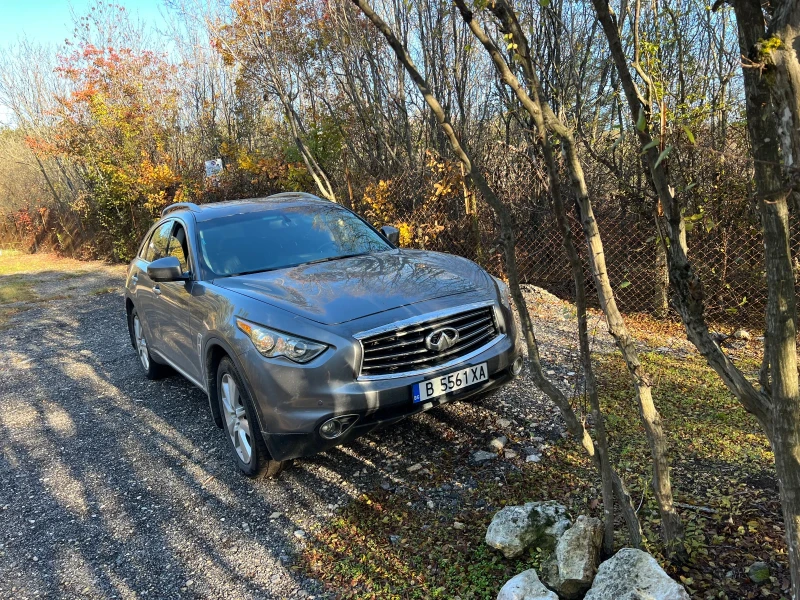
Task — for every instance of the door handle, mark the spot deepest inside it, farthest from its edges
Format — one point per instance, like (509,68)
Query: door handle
(157,290)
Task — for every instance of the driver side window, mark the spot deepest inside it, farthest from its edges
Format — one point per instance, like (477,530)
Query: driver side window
(178,246)
(157,248)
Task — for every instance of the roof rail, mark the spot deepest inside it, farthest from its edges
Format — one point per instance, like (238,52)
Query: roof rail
(178,206)
(305,195)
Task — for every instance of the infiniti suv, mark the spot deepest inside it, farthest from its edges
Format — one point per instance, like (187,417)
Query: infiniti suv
(306,327)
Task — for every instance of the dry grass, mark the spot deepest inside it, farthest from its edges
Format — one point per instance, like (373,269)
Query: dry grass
(13,262)
(28,278)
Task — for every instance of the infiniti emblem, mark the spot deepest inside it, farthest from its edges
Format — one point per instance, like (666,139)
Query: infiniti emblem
(441,339)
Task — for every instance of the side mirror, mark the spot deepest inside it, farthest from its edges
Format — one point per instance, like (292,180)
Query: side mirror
(165,269)
(391,233)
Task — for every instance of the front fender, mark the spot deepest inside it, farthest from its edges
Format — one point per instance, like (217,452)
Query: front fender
(214,348)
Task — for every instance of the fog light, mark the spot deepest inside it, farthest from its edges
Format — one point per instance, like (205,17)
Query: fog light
(516,368)
(330,429)
(335,427)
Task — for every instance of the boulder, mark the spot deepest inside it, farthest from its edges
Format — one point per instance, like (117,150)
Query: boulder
(632,575)
(514,529)
(572,568)
(525,586)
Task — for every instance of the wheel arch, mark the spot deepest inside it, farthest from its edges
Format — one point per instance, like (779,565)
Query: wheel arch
(215,350)
(214,354)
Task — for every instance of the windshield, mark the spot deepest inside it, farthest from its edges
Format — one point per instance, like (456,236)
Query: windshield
(283,237)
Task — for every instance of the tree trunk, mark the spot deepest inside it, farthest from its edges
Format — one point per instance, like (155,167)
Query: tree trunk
(316,171)
(785,27)
(687,288)
(768,116)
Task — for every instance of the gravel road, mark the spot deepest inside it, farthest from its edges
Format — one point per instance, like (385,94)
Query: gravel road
(113,486)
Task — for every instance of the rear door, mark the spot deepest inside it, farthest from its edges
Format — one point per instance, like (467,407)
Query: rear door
(178,323)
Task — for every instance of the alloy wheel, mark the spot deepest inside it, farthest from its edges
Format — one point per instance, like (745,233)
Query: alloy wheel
(141,343)
(236,418)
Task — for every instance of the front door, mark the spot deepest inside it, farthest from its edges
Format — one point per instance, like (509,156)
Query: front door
(145,289)
(178,323)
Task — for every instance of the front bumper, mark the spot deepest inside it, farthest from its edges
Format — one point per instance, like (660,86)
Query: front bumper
(292,410)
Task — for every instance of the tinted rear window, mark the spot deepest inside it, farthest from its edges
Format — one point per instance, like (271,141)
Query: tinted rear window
(289,236)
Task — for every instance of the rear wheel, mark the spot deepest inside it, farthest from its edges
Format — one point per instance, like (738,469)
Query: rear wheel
(152,369)
(240,423)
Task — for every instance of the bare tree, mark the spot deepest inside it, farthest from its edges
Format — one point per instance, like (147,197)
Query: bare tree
(280,64)
(507,239)
(776,404)
(546,121)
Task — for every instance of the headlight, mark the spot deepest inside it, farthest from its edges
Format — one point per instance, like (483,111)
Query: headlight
(274,343)
(505,293)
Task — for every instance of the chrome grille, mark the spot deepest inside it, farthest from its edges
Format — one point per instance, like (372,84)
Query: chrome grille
(403,349)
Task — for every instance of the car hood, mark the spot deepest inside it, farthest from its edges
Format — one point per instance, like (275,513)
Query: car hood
(350,288)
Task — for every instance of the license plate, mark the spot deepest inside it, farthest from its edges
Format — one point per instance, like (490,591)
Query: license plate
(444,384)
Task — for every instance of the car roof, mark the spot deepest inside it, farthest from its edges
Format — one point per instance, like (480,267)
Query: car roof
(205,212)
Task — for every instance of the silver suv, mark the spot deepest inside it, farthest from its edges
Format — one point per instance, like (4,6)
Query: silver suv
(306,327)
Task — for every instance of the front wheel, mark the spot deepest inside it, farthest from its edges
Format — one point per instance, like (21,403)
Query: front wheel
(152,369)
(240,422)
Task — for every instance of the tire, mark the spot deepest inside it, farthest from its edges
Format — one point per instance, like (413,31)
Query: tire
(241,425)
(152,369)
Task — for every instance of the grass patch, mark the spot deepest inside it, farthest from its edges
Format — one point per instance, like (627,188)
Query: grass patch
(13,262)
(15,289)
(388,544)
(104,290)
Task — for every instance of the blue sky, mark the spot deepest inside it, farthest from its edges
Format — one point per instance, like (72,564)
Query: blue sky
(49,21)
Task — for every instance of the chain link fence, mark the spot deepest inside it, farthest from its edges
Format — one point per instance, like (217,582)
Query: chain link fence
(728,256)
(435,211)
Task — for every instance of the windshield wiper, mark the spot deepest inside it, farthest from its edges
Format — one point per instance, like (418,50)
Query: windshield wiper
(330,258)
(313,262)
(253,272)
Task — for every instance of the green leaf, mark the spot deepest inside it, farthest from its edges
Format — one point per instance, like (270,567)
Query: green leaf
(641,122)
(624,284)
(617,142)
(544,3)
(664,154)
(689,134)
(650,144)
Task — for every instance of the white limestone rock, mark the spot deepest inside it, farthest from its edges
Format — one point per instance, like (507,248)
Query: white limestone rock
(514,529)
(632,575)
(525,586)
(573,566)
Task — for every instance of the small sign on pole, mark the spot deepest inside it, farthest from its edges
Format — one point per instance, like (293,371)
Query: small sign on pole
(213,167)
